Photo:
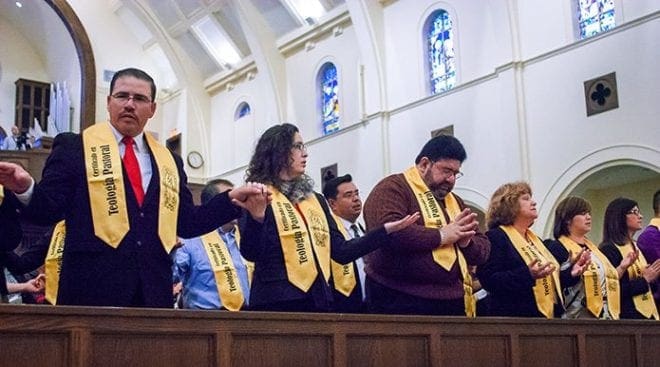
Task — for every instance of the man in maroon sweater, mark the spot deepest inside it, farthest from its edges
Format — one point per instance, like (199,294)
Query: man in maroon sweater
(424,268)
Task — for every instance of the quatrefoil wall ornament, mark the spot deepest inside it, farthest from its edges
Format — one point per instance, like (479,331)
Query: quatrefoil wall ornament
(600,94)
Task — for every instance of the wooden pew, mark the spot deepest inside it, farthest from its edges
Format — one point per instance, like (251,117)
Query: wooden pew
(85,336)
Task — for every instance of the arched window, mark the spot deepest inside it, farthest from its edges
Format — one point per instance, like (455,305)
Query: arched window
(329,85)
(439,39)
(242,110)
(595,16)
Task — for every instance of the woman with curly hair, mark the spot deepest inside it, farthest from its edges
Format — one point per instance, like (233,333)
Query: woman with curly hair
(293,245)
(622,220)
(521,275)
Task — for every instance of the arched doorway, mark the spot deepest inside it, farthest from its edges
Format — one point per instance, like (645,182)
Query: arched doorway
(85,57)
(624,180)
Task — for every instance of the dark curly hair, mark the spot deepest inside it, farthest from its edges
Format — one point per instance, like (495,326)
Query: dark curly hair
(271,155)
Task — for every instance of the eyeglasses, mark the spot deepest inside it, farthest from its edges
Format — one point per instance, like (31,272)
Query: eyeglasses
(446,172)
(634,211)
(300,146)
(123,97)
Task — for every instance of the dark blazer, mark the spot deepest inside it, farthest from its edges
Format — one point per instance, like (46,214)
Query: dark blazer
(10,232)
(353,303)
(270,289)
(629,287)
(507,279)
(138,271)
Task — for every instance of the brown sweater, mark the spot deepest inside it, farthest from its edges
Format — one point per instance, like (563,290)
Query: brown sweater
(405,263)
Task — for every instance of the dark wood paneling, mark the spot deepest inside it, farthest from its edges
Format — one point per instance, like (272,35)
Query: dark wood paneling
(548,351)
(393,351)
(33,349)
(281,350)
(83,336)
(463,351)
(129,350)
(612,351)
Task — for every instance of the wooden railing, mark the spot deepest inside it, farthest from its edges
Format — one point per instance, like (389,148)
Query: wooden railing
(80,336)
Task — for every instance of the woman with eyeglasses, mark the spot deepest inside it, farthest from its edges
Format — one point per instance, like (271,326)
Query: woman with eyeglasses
(596,294)
(622,220)
(292,244)
(522,277)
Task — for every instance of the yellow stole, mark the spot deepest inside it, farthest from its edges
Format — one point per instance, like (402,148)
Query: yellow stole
(433,216)
(644,302)
(592,289)
(2,194)
(107,197)
(226,276)
(654,222)
(343,276)
(302,242)
(543,290)
(53,263)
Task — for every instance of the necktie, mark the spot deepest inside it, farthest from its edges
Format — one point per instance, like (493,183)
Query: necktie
(133,169)
(356,231)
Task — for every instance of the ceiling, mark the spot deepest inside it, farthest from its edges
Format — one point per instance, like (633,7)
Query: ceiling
(213,33)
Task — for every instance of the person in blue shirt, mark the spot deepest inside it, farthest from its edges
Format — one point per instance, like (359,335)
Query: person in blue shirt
(210,267)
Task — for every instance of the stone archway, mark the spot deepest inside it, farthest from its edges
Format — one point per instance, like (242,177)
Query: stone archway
(85,57)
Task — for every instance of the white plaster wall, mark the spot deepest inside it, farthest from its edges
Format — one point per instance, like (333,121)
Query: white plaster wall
(482,43)
(114,46)
(18,60)
(484,121)
(232,142)
(561,136)
(302,69)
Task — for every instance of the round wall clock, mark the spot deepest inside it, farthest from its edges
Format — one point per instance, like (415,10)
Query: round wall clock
(195,159)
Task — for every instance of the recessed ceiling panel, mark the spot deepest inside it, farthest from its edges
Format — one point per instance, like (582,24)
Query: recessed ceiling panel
(232,27)
(193,49)
(166,11)
(279,19)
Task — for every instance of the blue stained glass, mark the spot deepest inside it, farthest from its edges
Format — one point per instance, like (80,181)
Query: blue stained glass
(329,98)
(243,110)
(595,16)
(440,43)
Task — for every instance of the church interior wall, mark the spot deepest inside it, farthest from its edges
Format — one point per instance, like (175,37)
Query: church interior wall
(557,104)
(302,69)
(482,43)
(22,61)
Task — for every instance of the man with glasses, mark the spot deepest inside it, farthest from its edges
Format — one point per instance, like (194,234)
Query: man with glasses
(424,269)
(124,199)
(344,200)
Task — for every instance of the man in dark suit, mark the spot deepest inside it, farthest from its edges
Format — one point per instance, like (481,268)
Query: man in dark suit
(124,199)
(344,199)
(10,233)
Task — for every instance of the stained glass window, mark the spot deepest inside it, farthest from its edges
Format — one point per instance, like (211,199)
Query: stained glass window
(329,98)
(595,16)
(440,52)
(242,110)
